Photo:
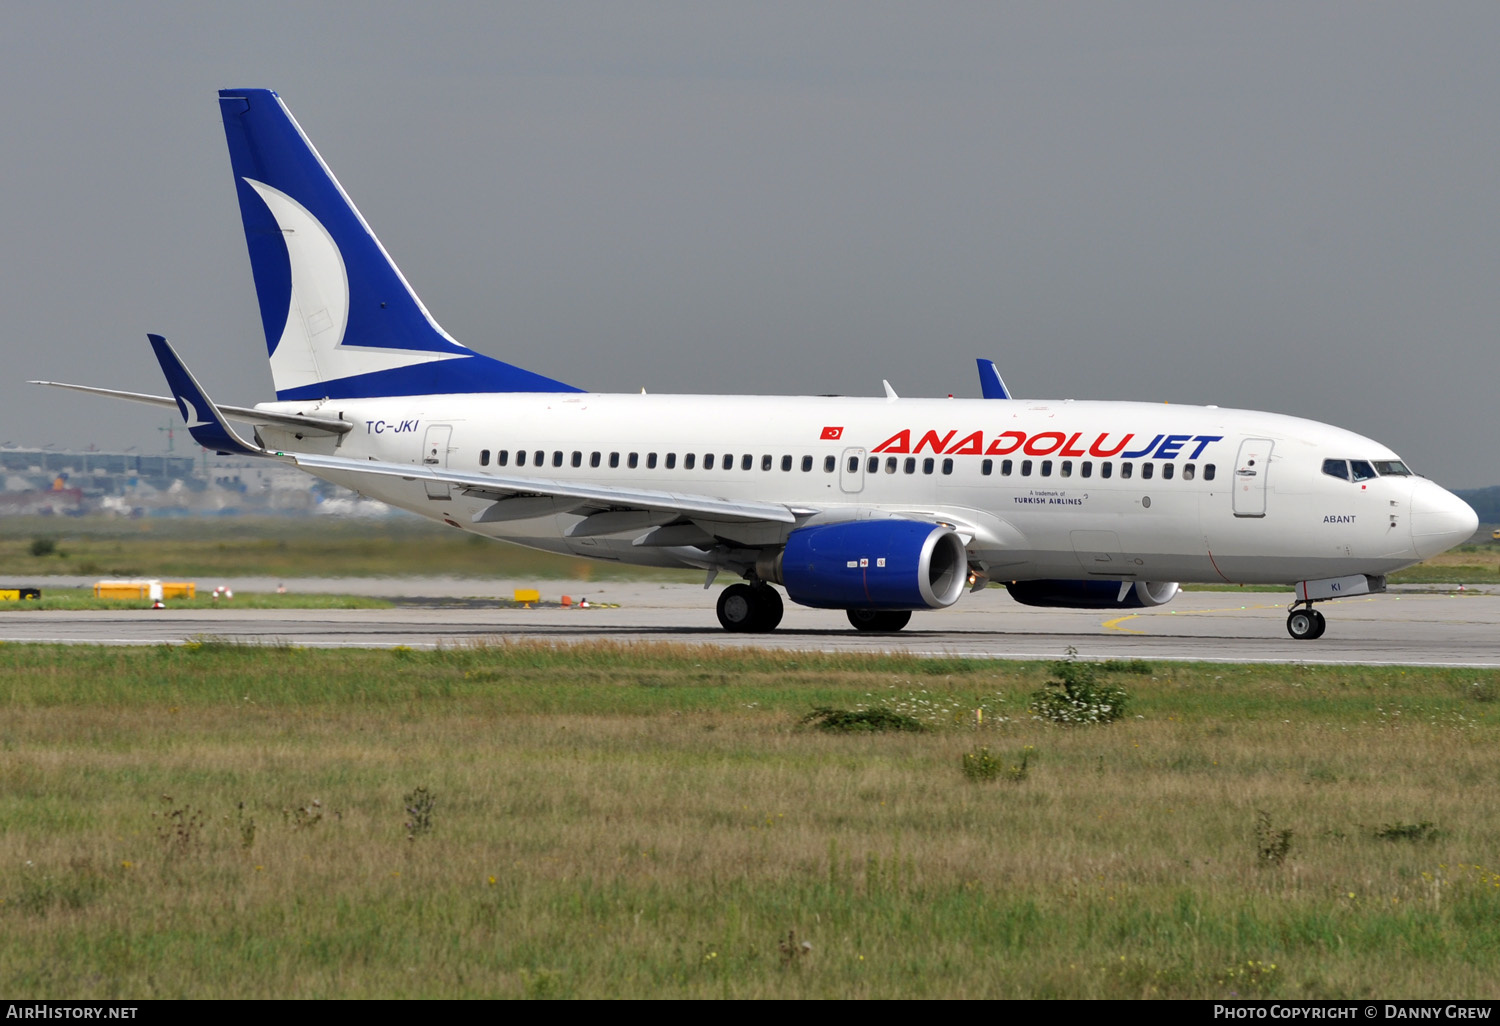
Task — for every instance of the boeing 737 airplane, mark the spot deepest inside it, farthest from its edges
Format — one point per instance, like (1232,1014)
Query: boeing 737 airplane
(877,506)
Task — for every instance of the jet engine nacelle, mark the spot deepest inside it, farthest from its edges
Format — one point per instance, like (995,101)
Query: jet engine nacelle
(871,564)
(1093,594)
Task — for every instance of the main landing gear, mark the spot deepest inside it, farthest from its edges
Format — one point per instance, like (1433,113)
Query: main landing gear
(1306,624)
(749,608)
(756,609)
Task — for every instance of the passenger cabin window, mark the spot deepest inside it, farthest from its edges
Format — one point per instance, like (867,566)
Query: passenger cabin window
(1046,468)
(557,457)
(594,458)
(911,464)
(650,461)
(633,460)
(1166,471)
(671,460)
(830,463)
(1125,471)
(929,465)
(1146,471)
(1106,469)
(1189,471)
(807,462)
(521,457)
(1066,470)
(947,466)
(765,462)
(688,459)
(502,457)
(1006,466)
(890,464)
(1208,471)
(1025,468)
(708,461)
(874,465)
(747,462)
(853,464)
(1086,469)
(786,464)
(614,460)
(986,466)
(577,458)
(484,457)
(538,458)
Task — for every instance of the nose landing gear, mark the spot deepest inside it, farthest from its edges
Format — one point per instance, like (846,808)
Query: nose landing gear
(1306,623)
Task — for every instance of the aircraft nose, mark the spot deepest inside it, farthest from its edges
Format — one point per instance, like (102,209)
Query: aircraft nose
(1439,520)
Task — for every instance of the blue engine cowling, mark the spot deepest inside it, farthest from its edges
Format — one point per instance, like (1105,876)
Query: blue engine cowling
(874,564)
(1092,594)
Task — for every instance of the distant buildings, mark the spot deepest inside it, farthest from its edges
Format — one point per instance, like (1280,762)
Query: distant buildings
(58,482)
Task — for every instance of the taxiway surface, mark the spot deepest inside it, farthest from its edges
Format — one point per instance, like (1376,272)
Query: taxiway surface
(1425,629)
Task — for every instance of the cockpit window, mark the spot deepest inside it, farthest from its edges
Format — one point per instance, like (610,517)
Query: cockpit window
(1336,468)
(1362,470)
(1392,468)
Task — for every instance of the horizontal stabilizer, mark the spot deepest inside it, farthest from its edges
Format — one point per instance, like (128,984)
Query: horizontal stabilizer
(303,422)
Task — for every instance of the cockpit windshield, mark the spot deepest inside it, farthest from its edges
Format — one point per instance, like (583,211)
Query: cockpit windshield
(1364,470)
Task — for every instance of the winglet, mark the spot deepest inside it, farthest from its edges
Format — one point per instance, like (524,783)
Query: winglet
(990,381)
(206,424)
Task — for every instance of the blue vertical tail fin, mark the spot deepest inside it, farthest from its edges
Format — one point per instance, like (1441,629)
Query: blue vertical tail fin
(340,319)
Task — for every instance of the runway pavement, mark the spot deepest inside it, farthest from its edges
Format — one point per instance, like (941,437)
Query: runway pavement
(1408,628)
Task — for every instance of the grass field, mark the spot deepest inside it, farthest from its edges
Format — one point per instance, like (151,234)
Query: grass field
(215,821)
(1467,564)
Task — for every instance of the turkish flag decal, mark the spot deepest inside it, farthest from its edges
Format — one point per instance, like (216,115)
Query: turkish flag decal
(832,434)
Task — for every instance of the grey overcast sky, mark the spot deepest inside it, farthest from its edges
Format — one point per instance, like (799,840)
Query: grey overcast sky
(1281,206)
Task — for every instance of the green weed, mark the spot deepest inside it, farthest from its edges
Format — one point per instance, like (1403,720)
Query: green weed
(847,721)
(1423,832)
(1077,695)
(419,806)
(1272,846)
(981,764)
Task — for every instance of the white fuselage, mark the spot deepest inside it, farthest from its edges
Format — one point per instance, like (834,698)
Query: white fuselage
(1037,489)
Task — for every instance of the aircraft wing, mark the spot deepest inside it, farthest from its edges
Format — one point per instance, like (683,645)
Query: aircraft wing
(498,487)
(297,421)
